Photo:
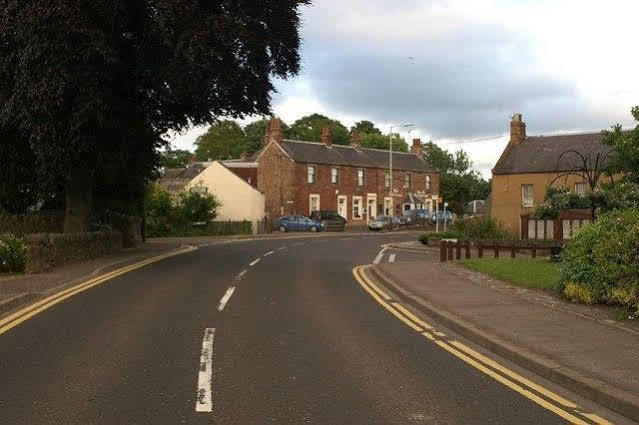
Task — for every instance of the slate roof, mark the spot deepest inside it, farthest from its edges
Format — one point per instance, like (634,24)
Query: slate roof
(540,154)
(175,179)
(319,153)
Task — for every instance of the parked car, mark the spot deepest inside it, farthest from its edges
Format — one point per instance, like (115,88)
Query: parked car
(298,223)
(331,220)
(440,217)
(381,222)
(418,216)
(402,220)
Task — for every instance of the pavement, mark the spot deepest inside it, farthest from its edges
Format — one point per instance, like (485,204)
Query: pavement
(579,347)
(265,331)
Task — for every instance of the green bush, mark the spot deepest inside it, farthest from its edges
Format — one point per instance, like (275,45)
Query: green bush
(13,253)
(480,228)
(601,264)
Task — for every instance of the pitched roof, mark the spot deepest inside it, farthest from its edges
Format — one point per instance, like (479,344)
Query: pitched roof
(175,179)
(319,153)
(540,154)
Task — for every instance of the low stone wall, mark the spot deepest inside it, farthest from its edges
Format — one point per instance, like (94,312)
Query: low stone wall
(32,223)
(129,226)
(50,250)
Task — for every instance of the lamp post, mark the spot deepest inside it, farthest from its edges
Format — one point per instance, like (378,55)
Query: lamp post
(445,205)
(390,162)
(436,199)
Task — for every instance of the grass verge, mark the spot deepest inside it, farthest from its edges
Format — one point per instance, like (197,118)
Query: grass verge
(539,273)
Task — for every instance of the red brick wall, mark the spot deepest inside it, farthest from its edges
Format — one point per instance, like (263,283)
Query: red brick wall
(247,174)
(276,181)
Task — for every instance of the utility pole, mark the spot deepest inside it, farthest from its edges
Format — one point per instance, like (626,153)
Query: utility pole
(390,161)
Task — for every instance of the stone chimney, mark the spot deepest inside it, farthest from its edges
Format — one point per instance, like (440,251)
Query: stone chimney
(192,160)
(326,136)
(517,130)
(416,149)
(355,141)
(274,132)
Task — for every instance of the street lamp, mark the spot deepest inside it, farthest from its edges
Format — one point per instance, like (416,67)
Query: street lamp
(445,205)
(390,140)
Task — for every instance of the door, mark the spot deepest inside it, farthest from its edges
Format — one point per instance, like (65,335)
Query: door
(371,207)
(313,203)
(388,206)
(342,206)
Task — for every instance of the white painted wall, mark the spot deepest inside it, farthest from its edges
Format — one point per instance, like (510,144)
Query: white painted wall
(240,201)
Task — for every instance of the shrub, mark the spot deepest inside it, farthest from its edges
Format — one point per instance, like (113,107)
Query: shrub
(601,264)
(13,253)
(480,228)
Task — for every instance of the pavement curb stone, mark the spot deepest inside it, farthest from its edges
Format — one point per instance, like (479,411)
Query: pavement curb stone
(17,301)
(593,389)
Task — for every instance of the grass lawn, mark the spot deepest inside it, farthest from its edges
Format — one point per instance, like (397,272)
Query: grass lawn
(526,272)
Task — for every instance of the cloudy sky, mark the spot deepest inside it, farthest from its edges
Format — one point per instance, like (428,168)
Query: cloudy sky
(458,69)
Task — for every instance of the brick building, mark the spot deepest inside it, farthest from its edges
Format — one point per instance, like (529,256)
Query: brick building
(525,170)
(301,177)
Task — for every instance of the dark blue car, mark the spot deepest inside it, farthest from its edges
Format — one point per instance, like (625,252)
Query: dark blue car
(298,223)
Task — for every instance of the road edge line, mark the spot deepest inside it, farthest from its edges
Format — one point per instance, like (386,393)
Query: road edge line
(26,313)
(591,388)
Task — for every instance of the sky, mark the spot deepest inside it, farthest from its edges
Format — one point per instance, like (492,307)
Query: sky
(459,69)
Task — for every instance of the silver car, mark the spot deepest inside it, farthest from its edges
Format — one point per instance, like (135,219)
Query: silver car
(381,222)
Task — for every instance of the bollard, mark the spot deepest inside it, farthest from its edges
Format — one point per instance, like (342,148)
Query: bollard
(513,251)
(442,251)
(467,249)
(450,251)
(496,248)
(458,249)
(533,251)
(480,250)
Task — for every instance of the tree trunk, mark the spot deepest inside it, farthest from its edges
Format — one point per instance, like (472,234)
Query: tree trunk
(79,199)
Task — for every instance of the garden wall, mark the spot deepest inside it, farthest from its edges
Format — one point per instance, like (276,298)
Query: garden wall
(50,250)
(32,223)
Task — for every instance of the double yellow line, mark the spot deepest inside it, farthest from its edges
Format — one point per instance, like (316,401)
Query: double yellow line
(540,395)
(28,312)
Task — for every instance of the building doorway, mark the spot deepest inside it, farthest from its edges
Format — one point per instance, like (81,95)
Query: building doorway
(342,206)
(371,206)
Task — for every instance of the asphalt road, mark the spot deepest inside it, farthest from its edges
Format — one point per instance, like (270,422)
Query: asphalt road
(298,341)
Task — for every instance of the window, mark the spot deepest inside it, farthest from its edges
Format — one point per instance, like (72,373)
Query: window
(527,195)
(581,188)
(360,177)
(311,174)
(313,203)
(427,182)
(387,180)
(334,175)
(357,207)
(407,178)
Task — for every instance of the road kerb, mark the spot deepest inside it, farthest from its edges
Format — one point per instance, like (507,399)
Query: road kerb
(26,313)
(591,388)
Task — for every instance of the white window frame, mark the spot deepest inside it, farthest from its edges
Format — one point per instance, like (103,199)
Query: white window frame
(580,192)
(360,200)
(361,177)
(428,182)
(309,174)
(345,198)
(369,197)
(527,203)
(388,203)
(310,203)
(408,180)
(334,175)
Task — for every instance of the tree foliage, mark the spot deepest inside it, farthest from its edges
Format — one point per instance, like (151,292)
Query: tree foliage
(366,127)
(625,144)
(309,129)
(379,141)
(174,158)
(223,140)
(459,184)
(85,83)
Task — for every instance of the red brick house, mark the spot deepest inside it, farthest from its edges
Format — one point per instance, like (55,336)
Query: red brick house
(301,177)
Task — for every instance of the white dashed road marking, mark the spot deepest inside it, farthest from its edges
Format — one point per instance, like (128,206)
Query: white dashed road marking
(204,401)
(241,275)
(281,248)
(226,298)
(254,262)
(379,256)
(268,253)
(391,258)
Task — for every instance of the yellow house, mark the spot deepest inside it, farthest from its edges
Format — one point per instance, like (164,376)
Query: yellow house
(529,165)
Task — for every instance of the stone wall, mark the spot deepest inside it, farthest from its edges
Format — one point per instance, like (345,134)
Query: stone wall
(47,251)
(32,223)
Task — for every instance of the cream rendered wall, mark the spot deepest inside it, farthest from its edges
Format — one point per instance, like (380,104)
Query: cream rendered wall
(240,201)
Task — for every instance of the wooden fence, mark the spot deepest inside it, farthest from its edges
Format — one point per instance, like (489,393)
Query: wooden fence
(452,250)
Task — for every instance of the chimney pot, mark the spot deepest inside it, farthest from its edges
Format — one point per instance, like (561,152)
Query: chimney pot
(326,136)
(517,130)
(274,132)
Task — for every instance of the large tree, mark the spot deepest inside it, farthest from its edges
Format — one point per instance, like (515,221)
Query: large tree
(254,134)
(459,184)
(366,127)
(223,140)
(624,158)
(89,82)
(380,141)
(309,129)
(175,158)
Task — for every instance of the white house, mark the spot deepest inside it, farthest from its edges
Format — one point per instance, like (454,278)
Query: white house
(240,199)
